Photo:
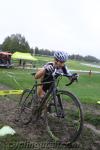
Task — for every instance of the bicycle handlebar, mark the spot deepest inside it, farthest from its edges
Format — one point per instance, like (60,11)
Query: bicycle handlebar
(72,77)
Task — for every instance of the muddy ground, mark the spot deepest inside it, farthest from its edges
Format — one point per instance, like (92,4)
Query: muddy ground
(35,134)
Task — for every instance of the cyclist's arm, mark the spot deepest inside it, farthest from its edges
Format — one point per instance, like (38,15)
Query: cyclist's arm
(47,68)
(67,72)
(40,73)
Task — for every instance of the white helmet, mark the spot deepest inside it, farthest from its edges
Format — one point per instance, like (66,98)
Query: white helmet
(61,56)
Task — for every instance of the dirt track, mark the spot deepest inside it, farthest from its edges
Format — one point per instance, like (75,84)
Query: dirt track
(37,133)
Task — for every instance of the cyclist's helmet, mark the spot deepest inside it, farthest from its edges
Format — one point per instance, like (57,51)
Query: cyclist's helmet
(61,56)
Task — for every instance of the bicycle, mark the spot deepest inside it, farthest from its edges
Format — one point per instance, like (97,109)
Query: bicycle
(60,109)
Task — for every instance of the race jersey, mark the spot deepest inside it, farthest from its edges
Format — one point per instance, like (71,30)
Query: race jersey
(48,77)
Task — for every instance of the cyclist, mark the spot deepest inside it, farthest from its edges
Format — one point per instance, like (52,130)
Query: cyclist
(46,72)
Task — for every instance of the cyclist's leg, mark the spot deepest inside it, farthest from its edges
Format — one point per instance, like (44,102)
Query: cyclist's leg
(43,89)
(40,91)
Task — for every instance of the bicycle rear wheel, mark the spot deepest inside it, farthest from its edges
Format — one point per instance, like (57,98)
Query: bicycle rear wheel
(25,107)
(66,125)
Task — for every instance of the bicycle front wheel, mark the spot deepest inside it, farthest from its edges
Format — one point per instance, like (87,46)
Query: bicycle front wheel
(65,121)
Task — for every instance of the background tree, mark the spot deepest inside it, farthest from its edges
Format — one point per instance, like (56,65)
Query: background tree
(0,47)
(91,59)
(14,43)
(86,58)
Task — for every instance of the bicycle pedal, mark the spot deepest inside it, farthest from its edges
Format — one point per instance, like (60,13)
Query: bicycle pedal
(60,115)
(52,114)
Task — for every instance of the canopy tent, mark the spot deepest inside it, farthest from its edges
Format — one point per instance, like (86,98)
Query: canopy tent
(23,56)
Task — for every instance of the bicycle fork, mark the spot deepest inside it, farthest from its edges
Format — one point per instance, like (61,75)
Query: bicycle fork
(58,105)
(61,114)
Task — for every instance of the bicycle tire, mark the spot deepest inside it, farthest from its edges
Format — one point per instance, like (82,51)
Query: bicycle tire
(55,123)
(25,110)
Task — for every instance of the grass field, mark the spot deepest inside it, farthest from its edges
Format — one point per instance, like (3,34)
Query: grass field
(70,63)
(87,88)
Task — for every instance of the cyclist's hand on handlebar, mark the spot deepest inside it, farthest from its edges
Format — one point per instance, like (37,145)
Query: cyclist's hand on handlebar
(49,68)
(74,77)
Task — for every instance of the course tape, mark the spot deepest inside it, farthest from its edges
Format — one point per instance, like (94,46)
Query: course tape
(8,92)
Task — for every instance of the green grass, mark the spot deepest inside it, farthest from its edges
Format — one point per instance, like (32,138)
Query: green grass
(87,88)
(92,119)
(16,78)
(70,63)
(78,66)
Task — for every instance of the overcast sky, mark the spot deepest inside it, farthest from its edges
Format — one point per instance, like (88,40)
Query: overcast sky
(69,25)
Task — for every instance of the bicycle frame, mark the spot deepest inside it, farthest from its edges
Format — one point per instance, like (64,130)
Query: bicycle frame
(52,91)
(59,113)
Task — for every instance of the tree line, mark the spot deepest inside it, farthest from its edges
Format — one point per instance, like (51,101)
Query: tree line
(17,42)
(87,58)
